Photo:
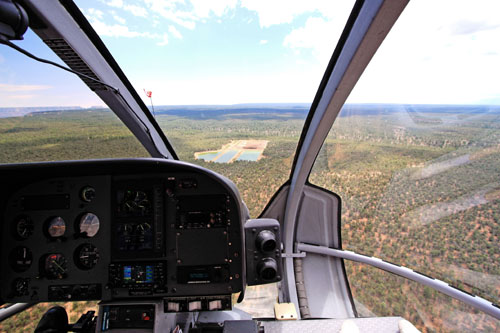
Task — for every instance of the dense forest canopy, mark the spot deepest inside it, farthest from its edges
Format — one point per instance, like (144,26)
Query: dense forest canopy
(419,187)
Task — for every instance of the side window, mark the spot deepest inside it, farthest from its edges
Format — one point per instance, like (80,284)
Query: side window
(47,114)
(415,157)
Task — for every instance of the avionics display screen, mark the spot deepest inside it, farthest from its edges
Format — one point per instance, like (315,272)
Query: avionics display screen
(138,274)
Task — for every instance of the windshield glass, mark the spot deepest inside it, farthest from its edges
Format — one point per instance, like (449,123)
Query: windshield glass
(47,114)
(229,82)
(415,157)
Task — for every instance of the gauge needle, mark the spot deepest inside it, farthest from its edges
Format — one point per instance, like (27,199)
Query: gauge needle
(62,269)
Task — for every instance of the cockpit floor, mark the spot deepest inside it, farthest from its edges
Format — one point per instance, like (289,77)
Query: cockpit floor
(374,325)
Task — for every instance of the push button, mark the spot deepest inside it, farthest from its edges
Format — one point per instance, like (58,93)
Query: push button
(215,305)
(194,306)
(173,307)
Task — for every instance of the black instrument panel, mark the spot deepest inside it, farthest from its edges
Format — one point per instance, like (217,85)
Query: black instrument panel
(119,229)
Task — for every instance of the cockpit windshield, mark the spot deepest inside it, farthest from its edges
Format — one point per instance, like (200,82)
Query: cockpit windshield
(230,83)
(415,156)
(47,114)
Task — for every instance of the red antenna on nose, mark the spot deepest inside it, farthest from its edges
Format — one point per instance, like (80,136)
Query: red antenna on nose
(150,94)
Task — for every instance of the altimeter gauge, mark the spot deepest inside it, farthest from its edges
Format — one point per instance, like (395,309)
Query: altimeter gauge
(23,227)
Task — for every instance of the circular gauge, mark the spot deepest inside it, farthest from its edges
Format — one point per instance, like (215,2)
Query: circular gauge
(20,258)
(56,227)
(125,229)
(89,225)
(23,227)
(87,193)
(20,286)
(143,228)
(136,203)
(55,266)
(86,256)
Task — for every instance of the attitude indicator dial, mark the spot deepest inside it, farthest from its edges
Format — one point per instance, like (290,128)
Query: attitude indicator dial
(56,227)
(89,225)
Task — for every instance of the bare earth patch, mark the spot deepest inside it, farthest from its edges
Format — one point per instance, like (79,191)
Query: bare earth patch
(235,150)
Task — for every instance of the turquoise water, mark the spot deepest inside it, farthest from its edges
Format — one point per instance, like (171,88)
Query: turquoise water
(208,156)
(226,156)
(249,156)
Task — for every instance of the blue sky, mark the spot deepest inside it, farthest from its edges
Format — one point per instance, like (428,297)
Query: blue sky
(253,51)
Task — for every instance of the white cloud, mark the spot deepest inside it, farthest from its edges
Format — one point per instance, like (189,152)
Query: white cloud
(4,87)
(92,12)
(133,9)
(320,32)
(114,3)
(170,11)
(186,14)
(203,8)
(285,11)
(164,40)
(263,41)
(466,26)
(118,30)
(318,35)
(136,10)
(174,32)
(181,12)
(118,18)
(449,59)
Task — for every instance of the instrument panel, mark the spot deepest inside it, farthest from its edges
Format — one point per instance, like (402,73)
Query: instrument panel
(120,229)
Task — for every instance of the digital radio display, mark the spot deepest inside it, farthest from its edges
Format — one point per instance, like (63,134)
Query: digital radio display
(138,274)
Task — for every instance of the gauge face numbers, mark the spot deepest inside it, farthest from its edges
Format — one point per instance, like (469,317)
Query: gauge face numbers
(89,225)
(143,229)
(55,266)
(20,258)
(135,236)
(86,256)
(56,227)
(87,193)
(136,203)
(21,286)
(23,227)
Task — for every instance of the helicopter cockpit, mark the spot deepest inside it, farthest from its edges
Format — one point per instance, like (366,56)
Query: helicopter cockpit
(169,240)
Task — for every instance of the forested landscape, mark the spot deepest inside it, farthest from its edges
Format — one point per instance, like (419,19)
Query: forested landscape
(420,187)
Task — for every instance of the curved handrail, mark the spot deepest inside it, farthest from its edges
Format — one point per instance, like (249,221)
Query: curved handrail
(14,309)
(441,286)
